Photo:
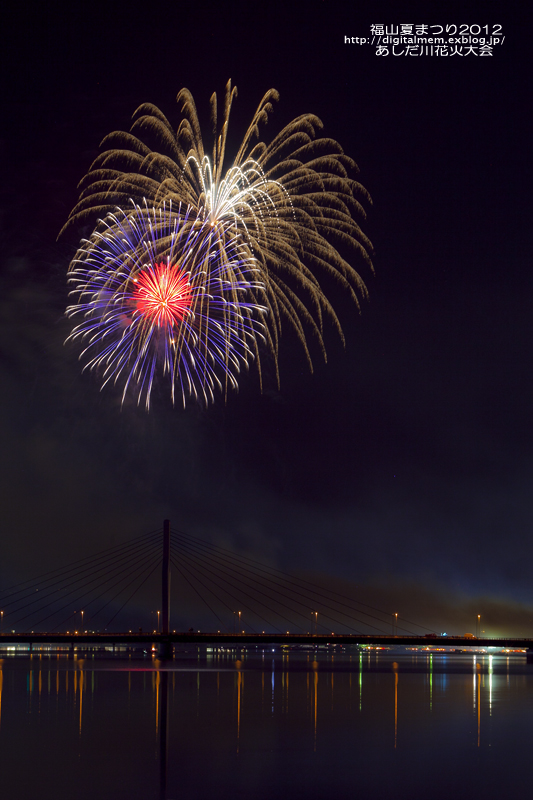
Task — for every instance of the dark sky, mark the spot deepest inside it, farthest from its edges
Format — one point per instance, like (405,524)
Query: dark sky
(403,467)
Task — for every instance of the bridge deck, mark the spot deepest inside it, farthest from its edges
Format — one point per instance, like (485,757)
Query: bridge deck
(205,638)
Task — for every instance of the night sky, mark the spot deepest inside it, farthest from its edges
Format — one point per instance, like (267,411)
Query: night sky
(401,470)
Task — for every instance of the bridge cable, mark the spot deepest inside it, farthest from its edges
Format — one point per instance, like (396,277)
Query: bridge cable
(239,600)
(111,574)
(237,568)
(269,570)
(153,563)
(79,571)
(134,592)
(70,566)
(279,603)
(176,566)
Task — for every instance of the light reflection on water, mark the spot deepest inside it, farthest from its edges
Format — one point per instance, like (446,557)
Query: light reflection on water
(276,724)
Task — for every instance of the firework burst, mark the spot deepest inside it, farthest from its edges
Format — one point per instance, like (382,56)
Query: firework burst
(157,294)
(290,207)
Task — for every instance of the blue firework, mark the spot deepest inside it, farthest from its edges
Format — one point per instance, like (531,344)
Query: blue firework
(159,297)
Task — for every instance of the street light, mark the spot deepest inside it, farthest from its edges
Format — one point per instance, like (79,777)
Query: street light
(240,621)
(478,625)
(1,621)
(158,621)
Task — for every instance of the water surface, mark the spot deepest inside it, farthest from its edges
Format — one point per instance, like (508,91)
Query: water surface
(265,724)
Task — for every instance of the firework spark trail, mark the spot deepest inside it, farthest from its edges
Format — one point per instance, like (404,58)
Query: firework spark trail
(287,210)
(152,289)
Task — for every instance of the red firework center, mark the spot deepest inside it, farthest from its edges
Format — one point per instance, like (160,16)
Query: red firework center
(163,293)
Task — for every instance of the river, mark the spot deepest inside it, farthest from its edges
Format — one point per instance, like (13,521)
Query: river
(268,724)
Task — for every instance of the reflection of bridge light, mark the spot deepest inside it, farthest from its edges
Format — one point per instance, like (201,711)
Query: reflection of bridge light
(431,682)
(474,666)
(360,680)
(490,685)
(395,667)
(478,666)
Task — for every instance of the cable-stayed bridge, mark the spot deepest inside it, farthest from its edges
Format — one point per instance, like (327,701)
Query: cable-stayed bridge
(247,602)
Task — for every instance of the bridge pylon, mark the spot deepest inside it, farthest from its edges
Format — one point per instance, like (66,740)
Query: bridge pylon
(165,646)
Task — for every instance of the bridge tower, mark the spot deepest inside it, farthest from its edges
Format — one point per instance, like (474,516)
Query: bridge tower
(165,647)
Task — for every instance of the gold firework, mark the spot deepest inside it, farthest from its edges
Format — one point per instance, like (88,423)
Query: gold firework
(292,203)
